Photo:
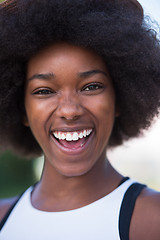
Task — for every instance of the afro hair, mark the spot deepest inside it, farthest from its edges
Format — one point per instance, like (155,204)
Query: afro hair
(115,29)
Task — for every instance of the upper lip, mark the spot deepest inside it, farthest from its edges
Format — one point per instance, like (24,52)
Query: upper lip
(71,129)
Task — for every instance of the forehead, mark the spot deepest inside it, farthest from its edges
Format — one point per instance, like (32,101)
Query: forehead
(65,55)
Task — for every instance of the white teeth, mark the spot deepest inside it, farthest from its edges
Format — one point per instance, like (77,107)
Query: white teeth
(84,133)
(59,136)
(56,134)
(80,135)
(68,137)
(75,136)
(72,136)
(88,132)
(63,136)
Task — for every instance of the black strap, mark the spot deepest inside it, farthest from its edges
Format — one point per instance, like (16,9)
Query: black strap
(11,208)
(8,213)
(126,211)
(124,179)
(127,208)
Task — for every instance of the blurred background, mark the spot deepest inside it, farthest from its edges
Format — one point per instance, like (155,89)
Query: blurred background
(138,158)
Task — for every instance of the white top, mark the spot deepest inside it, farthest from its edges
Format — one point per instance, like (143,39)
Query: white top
(96,221)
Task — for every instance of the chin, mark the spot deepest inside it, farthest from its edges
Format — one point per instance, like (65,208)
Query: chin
(74,171)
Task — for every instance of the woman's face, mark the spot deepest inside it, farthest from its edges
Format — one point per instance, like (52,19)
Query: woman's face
(70,107)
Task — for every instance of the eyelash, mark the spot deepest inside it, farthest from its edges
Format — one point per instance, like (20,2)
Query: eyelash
(88,88)
(42,92)
(96,86)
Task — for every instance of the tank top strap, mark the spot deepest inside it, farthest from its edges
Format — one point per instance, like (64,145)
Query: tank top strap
(127,208)
(6,216)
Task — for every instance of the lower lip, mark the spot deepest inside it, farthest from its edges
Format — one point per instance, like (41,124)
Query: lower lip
(74,151)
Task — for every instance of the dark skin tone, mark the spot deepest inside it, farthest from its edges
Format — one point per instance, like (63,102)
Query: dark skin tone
(68,90)
(64,80)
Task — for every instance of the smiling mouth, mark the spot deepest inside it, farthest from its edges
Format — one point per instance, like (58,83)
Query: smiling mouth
(72,140)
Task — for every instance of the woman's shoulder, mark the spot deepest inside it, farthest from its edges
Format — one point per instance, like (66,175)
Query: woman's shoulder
(5,205)
(145,223)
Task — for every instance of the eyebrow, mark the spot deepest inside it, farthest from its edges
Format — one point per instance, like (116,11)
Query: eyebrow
(92,72)
(43,76)
(48,76)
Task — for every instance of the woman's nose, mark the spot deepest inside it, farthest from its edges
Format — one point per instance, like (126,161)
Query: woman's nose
(69,108)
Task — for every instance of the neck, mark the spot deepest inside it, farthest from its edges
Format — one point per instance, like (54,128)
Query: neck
(56,192)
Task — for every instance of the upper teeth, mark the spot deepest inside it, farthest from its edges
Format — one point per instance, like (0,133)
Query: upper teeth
(72,136)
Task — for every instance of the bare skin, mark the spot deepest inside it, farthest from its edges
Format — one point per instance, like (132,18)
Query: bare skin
(5,205)
(145,220)
(68,89)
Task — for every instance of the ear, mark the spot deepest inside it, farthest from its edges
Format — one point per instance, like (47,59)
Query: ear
(25,121)
(117,114)
(117,110)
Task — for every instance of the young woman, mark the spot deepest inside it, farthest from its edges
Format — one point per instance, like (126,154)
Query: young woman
(77,77)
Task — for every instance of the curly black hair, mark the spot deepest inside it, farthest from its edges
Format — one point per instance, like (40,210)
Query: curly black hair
(115,29)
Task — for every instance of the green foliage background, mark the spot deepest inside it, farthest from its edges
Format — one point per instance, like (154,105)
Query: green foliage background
(16,174)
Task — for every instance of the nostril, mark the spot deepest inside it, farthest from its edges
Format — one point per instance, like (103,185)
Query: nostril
(69,110)
(70,118)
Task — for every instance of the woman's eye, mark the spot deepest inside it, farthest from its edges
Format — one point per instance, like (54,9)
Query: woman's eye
(92,87)
(42,92)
